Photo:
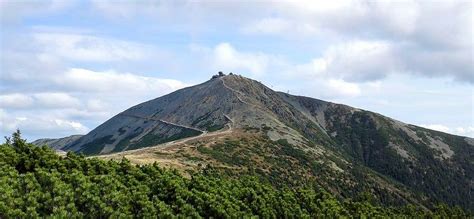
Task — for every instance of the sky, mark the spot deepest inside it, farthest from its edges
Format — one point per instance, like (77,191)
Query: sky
(68,66)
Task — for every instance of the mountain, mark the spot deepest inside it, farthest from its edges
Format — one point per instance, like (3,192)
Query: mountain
(56,143)
(240,126)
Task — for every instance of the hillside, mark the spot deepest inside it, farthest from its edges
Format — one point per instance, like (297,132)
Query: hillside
(56,143)
(37,183)
(240,126)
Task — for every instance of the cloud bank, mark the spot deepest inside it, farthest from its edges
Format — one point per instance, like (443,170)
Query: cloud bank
(69,63)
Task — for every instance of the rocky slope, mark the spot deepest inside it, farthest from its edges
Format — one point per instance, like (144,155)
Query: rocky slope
(240,125)
(56,143)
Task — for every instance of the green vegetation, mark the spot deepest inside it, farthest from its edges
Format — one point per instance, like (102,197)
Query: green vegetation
(35,182)
(364,137)
(122,145)
(225,153)
(153,139)
(207,122)
(96,146)
(214,128)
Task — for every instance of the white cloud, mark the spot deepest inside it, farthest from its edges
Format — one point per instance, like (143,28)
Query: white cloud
(272,26)
(87,98)
(437,127)
(110,81)
(227,57)
(39,125)
(56,100)
(463,131)
(13,11)
(15,100)
(336,49)
(38,100)
(366,61)
(96,105)
(344,88)
(415,40)
(409,36)
(353,61)
(267,26)
(408,19)
(88,48)
(40,89)
(127,9)
(468,131)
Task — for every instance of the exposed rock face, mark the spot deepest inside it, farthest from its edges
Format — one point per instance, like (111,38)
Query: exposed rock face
(200,109)
(339,136)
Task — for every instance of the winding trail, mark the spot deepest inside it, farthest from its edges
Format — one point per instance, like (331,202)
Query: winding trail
(237,93)
(163,121)
(204,133)
(171,143)
(234,91)
(165,145)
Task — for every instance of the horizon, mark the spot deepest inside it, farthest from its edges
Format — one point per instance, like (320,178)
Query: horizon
(69,66)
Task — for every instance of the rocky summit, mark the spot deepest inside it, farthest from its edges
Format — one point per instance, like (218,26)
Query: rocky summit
(238,125)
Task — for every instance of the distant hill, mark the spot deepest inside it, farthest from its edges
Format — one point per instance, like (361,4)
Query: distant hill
(56,143)
(241,126)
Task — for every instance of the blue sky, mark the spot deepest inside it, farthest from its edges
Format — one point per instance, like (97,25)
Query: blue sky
(67,66)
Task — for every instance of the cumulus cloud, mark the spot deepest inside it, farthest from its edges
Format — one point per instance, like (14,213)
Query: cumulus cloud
(55,100)
(353,61)
(272,26)
(36,125)
(88,48)
(40,88)
(344,88)
(37,100)
(15,100)
(463,131)
(268,26)
(126,9)
(87,96)
(365,61)
(112,81)
(407,20)
(336,49)
(468,131)
(408,36)
(437,127)
(13,11)
(225,56)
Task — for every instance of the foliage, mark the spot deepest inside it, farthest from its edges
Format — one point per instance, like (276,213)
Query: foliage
(225,153)
(96,146)
(35,182)
(364,138)
(151,139)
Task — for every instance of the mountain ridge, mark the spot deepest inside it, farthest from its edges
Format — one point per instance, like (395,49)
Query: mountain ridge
(240,125)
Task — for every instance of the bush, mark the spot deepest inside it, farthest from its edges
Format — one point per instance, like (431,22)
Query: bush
(35,182)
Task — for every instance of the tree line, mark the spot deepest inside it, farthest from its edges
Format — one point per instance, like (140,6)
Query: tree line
(36,182)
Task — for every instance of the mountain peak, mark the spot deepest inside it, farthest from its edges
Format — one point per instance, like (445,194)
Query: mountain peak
(223,102)
(282,135)
(220,74)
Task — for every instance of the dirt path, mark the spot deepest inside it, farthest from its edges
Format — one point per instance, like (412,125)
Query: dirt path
(163,121)
(235,92)
(238,93)
(204,134)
